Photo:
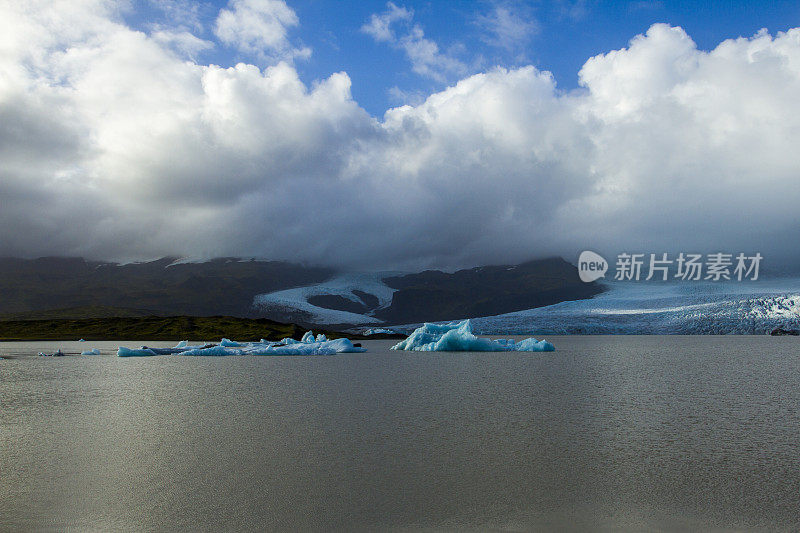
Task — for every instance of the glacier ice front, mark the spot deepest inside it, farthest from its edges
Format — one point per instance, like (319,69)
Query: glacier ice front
(458,337)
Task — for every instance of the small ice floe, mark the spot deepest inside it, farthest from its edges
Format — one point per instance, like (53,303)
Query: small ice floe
(458,337)
(57,353)
(93,351)
(379,331)
(309,345)
(141,352)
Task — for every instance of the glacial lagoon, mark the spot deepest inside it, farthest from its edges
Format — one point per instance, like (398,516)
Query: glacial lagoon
(608,432)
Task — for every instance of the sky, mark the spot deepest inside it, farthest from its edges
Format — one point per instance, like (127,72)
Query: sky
(398,134)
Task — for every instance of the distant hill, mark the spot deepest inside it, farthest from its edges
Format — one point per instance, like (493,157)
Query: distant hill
(483,291)
(152,328)
(91,311)
(55,288)
(90,289)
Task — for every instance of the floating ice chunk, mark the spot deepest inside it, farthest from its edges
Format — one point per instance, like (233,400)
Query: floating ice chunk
(325,347)
(182,344)
(141,352)
(307,348)
(308,337)
(532,345)
(230,344)
(378,331)
(93,351)
(81,340)
(458,337)
(288,346)
(214,351)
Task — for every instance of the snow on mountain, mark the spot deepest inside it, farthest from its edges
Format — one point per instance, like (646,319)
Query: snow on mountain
(662,308)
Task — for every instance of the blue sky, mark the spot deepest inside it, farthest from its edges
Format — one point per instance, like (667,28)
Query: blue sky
(559,36)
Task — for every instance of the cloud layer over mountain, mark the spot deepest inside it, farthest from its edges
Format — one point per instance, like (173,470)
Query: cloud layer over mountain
(117,144)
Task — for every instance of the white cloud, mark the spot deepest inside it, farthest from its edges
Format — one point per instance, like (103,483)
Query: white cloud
(114,147)
(259,28)
(182,41)
(507,27)
(380,24)
(424,54)
(185,12)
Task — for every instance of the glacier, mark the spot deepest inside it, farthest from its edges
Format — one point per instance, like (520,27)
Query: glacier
(658,308)
(342,285)
(309,345)
(458,337)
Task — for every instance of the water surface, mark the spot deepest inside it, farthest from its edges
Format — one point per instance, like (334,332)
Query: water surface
(639,432)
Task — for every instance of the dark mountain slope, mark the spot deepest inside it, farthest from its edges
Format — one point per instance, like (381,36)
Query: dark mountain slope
(219,287)
(483,291)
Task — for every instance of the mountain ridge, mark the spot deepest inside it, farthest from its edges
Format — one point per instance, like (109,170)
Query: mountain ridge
(70,288)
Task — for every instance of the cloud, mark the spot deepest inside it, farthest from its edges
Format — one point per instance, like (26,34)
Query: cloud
(188,12)
(380,24)
(182,41)
(573,9)
(507,27)
(424,54)
(113,146)
(259,28)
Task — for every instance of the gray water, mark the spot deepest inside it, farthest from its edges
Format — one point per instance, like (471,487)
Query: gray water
(660,433)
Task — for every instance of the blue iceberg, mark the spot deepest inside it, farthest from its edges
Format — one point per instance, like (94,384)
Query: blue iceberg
(309,345)
(458,337)
(93,351)
(227,343)
(212,351)
(141,352)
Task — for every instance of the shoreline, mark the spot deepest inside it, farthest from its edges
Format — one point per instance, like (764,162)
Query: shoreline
(155,328)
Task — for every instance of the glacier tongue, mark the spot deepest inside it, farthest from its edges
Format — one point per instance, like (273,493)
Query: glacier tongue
(687,308)
(458,337)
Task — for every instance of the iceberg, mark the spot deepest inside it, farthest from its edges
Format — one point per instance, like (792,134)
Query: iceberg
(325,347)
(213,351)
(310,345)
(141,352)
(458,337)
(93,351)
(227,343)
